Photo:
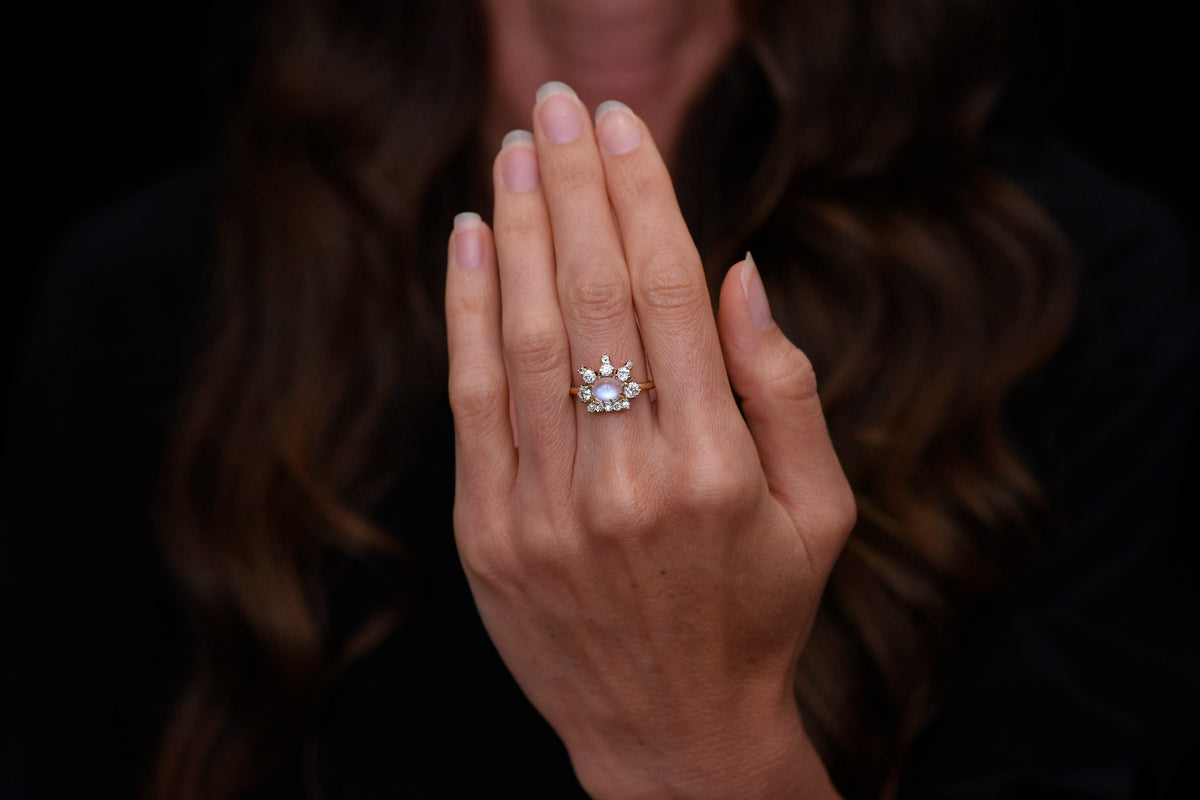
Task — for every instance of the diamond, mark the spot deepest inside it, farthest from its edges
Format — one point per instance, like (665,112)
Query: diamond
(595,405)
(589,376)
(606,367)
(608,406)
(632,390)
(585,393)
(621,404)
(623,372)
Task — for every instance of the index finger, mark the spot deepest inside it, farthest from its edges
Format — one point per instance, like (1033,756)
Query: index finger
(670,293)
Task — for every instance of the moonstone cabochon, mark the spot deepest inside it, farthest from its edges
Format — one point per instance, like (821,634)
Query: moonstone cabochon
(606,389)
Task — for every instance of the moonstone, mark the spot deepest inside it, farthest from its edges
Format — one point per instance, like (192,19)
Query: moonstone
(606,389)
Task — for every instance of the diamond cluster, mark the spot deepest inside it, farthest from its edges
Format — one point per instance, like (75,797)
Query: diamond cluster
(607,393)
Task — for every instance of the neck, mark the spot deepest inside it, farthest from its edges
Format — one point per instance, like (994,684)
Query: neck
(654,55)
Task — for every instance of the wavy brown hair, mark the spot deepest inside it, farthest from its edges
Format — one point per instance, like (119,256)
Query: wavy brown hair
(848,142)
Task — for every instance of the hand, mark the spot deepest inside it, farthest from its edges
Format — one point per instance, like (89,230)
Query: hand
(649,575)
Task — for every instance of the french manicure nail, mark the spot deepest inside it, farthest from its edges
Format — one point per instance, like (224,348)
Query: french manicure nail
(468,240)
(560,112)
(617,129)
(553,87)
(516,137)
(518,162)
(756,295)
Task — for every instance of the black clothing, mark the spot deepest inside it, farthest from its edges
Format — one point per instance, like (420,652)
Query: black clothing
(1079,679)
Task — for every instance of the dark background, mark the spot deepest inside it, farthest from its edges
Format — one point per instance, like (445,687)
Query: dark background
(112,96)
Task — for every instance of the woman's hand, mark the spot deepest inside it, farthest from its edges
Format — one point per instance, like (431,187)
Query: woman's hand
(649,575)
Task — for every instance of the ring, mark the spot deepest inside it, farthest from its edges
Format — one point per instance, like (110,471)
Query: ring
(608,393)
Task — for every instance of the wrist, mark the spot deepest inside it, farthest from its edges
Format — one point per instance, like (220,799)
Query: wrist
(771,758)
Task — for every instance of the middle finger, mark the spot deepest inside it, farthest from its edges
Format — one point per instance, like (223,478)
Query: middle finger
(593,279)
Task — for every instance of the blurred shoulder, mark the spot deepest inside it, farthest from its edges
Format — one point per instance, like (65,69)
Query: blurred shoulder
(118,315)
(146,236)
(1118,231)
(1136,329)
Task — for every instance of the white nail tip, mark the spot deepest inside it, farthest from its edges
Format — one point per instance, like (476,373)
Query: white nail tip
(466,218)
(748,269)
(554,87)
(516,137)
(611,105)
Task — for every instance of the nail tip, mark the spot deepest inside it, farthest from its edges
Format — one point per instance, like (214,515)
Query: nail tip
(757,304)
(516,137)
(611,105)
(466,218)
(553,87)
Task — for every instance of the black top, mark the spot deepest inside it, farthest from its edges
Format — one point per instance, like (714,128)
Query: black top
(1079,680)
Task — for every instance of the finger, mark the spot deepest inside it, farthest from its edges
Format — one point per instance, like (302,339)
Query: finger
(485,462)
(670,292)
(779,398)
(534,339)
(593,281)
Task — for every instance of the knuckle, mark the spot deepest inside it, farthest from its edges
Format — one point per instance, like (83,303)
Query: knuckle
(844,508)
(535,347)
(572,173)
(649,186)
(835,507)
(472,399)
(488,563)
(474,304)
(799,375)
(519,224)
(618,511)
(668,284)
(621,524)
(715,483)
(832,517)
(597,298)
(483,551)
(788,376)
(546,551)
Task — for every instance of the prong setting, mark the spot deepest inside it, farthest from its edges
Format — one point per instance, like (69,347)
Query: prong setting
(608,388)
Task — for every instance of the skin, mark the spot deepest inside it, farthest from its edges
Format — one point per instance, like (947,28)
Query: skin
(649,576)
(654,55)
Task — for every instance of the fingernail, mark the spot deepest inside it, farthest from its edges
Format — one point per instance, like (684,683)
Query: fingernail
(518,162)
(756,295)
(516,137)
(560,112)
(616,127)
(468,240)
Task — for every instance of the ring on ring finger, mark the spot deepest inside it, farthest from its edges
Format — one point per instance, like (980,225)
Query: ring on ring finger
(608,388)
